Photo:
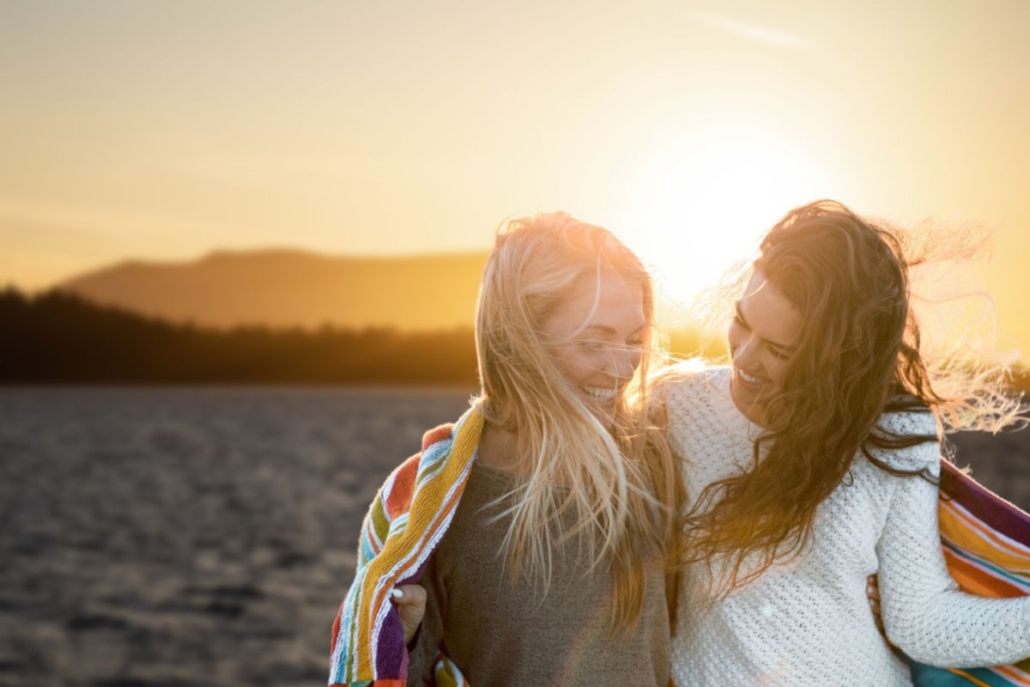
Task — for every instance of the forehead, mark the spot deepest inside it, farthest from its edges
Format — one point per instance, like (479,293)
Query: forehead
(606,302)
(768,312)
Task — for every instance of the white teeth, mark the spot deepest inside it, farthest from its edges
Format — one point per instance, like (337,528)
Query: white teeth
(600,393)
(749,379)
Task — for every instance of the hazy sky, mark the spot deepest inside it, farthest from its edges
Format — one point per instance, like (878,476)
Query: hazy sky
(164,130)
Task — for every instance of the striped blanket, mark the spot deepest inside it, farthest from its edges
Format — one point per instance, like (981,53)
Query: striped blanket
(986,544)
(404,524)
(987,548)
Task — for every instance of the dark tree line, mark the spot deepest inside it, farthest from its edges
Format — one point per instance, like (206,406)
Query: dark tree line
(58,338)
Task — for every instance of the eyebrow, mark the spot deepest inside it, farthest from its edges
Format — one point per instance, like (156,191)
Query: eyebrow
(784,347)
(605,329)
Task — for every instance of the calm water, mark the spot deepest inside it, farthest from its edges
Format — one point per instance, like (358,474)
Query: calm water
(162,537)
(188,537)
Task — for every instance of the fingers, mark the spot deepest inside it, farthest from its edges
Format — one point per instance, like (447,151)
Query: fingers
(408,595)
(872,592)
(872,588)
(410,600)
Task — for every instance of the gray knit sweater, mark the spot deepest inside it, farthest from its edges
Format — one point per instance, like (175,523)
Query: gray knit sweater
(502,635)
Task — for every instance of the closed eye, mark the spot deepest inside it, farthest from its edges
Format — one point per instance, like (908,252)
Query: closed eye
(738,319)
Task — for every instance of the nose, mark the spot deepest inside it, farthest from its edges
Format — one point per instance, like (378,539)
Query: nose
(743,353)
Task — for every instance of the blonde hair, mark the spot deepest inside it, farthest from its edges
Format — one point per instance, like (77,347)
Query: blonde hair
(610,490)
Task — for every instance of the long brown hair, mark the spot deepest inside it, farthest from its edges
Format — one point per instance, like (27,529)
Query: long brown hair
(625,486)
(857,357)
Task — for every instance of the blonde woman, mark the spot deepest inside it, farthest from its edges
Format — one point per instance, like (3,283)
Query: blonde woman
(812,462)
(537,525)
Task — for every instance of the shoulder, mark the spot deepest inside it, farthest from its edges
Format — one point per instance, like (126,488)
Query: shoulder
(913,425)
(698,405)
(399,488)
(688,379)
(694,390)
(437,434)
(917,422)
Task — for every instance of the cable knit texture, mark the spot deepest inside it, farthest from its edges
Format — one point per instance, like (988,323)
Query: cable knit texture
(807,621)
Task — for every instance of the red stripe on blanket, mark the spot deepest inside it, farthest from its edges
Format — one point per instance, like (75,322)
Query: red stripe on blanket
(971,578)
(403,487)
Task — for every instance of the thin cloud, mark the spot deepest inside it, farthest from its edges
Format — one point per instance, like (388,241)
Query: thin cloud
(751,32)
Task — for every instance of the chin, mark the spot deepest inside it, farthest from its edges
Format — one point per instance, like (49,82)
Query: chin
(747,404)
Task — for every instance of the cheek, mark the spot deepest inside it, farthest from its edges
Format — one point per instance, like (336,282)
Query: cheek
(636,357)
(777,370)
(573,363)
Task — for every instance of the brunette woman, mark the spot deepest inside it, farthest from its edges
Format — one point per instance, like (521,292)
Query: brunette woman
(812,463)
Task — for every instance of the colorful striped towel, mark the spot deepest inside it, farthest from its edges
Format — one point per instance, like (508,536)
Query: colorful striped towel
(986,544)
(404,524)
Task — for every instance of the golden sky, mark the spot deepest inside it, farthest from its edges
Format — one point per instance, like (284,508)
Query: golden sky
(164,130)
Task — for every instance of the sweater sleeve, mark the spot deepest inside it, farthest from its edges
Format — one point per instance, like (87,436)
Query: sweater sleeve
(924,613)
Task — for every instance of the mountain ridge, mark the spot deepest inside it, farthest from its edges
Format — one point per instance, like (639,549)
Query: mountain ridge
(291,287)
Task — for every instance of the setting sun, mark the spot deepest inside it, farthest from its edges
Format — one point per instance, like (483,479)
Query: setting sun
(687,128)
(698,201)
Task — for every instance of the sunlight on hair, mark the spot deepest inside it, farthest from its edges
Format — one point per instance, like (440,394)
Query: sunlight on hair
(956,316)
(698,202)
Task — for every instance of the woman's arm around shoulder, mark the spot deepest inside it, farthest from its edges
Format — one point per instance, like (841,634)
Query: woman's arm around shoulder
(924,613)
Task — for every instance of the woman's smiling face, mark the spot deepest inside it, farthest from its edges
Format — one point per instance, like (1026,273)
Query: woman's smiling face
(762,337)
(596,334)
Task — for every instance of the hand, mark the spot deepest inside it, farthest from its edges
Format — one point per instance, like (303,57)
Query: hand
(410,600)
(872,592)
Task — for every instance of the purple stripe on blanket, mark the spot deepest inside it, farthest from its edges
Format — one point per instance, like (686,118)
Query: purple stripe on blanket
(391,637)
(392,658)
(985,505)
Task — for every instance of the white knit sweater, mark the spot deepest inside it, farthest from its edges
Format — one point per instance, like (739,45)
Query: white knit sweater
(807,622)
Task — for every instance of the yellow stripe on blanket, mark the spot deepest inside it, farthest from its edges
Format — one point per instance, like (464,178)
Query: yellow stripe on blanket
(970,535)
(423,521)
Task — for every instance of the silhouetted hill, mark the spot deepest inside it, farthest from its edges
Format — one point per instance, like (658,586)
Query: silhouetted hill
(290,288)
(60,338)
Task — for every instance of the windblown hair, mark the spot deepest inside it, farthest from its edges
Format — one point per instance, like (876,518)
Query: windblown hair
(856,358)
(609,493)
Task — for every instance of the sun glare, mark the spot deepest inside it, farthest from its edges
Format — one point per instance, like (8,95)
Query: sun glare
(698,203)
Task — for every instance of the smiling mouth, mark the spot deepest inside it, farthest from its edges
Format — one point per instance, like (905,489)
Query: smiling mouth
(600,393)
(755,381)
